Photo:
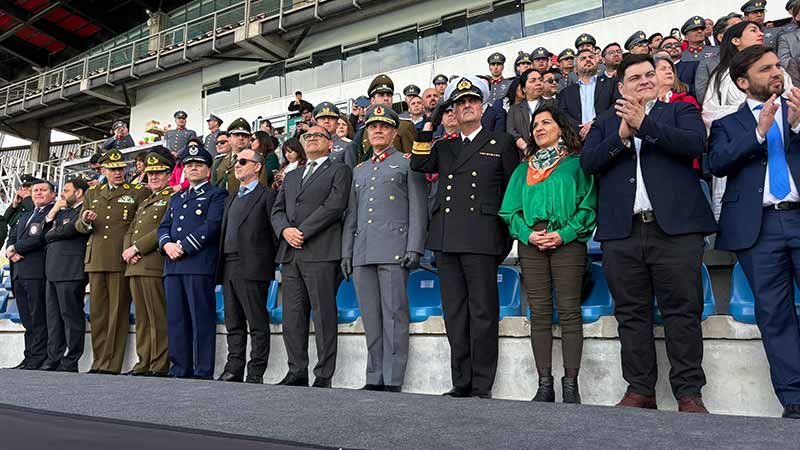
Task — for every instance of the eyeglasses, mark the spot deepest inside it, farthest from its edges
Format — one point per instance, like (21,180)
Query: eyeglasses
(670,46)
(642,44)
(614,52)
(243,161)
(315,136)
(222,142)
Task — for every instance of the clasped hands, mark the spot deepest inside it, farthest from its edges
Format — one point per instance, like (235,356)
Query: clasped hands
(767,116)
(544,240)
(632,112)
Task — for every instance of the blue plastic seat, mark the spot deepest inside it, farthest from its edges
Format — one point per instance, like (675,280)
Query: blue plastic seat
(3,301)
(12,312)
(593,249)
(220,305)
(346,302)
(598,304)
(709,302)
(272,299)
(132,318)
(508,285)
(424,297)
(742,306)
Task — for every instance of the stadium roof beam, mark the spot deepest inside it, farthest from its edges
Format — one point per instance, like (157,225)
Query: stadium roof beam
(29,53)
(32,20)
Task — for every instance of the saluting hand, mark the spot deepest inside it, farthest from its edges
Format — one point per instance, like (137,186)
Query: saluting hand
(793,100)
(767,116)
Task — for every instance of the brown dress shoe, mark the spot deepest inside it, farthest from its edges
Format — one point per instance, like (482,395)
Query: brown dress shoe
(692,405)
(634,400)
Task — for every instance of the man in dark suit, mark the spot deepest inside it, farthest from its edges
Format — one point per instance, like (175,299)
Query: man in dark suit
(469,238)
(592,95)
(758,149)
(247,265)
(652,216)
(307,217)
(66,279)
(188,237)
(26,251)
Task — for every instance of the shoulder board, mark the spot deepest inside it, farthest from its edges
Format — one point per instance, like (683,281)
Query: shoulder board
(220,155)
(103,187)
(346,139)
(91,188)
(166,192)
(407,155)
(360,164)
(139,186)
(126,186)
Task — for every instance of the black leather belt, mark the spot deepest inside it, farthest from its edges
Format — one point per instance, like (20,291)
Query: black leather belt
(645,216)
(783,206)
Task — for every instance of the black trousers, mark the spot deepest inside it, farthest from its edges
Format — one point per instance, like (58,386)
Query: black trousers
(310,286)
(246,305)
(30,298)
(66,323)
(471,306)
(651,263)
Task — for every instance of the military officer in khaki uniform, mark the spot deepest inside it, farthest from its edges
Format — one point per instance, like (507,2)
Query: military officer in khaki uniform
(107,212)
(383,239)
(177,139)
(239,138)
(145,269)
(326,114)
(381,92)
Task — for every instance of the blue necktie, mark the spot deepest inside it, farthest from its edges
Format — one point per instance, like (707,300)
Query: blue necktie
(242,191)
(776,161)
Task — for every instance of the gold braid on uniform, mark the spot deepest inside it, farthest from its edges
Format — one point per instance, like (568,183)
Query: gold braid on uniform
(421,148)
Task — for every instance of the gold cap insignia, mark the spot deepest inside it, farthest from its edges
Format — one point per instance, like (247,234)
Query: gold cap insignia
(697,21)
(115,156)
(326,110)
(464,84)
(378,111)
(152,160)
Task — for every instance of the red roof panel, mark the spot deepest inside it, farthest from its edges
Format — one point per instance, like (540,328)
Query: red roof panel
(88,30)
(32,5)
(56,15)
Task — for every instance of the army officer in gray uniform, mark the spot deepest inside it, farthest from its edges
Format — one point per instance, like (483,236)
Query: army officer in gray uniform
(177,139)
(326,114)
(383,239)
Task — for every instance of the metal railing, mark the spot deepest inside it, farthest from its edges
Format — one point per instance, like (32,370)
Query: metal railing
(180,37)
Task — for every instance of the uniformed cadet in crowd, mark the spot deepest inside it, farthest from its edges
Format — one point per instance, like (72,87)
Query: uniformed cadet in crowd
(307,218)
(326,115)
(440,84)
(188,236)
(223,150)
(474,170)
(176,140)
(107,213)
(638,44)
(248,246)
(566,65)
(522,63)
(408,92)
(210,141)
(120,139)
(146,268)
(498,85)
(66,279)
(755,11)
(26,252)
(694,33)
(384,237)
(541,59)
(381,92)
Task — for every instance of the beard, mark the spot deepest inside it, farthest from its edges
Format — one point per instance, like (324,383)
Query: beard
(763,93)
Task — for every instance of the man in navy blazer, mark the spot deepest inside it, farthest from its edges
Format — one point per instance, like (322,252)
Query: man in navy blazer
(652,216)
(596,92)
(758,149)
(189,237)
(26,251)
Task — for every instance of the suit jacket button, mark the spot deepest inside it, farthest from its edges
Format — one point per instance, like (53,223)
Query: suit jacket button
(631,180)
(763,162)
(450,177)
(447,210)
(760,190)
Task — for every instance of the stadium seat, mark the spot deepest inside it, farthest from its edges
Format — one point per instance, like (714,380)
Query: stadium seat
(3,300)
(220,305)
(598,304)
(595,253)
(272,298)
(709,302)
(508,285)
(12,312)
(424,298)
(346,303)
(742,305)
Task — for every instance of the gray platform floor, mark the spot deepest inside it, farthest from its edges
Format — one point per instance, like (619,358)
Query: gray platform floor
(374,420)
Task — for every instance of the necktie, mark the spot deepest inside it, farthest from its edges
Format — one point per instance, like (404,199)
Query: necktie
(776,161)
(36,212)
(309,171)
(242,191)
(466,141)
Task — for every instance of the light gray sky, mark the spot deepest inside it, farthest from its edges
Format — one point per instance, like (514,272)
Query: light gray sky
(55,136)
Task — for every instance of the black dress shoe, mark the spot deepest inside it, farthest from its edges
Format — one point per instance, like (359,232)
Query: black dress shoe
(480,394)
(293,380)
(33,365)
(459,392)
(374,387)
(546,392)
(93,371)
(132,373)
(254,380)
(232,377)
(159,374)
(49,367)
(106,372)
(389,388)
(67,369)
(321,382)
(791,412)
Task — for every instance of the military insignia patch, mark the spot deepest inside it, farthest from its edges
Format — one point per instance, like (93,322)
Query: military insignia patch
(152,160)
(407,155)
(35,229)
(161,203)
(193,151)
(464,84)
(379,111)
(115,156)
(126,199)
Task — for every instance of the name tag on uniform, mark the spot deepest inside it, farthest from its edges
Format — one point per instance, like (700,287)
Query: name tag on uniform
(161,203)
(126,199)
(493,155)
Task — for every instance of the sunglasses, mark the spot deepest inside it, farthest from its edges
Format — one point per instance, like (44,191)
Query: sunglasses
(315,136)
(243,161)
(222,142)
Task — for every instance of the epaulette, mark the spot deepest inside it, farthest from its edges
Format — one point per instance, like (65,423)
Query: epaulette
(407,155)
(91,188)
(103,187)
(126,186)
(346,139)
(407,119)
(166,192)
(220,155)
(139,186)
(360,164)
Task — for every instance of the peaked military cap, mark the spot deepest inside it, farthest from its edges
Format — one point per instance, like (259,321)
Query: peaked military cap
(180,114)
(692,24)
(585,38)
(790,5)
(568,53)
(213,117)
(325,109)
(239,126)
(361,102)
(497,58)
(381,83)
(636,38)
(157,161)
(522,58)
(439,79)
(196,152)
(754,6)
(382,113)
(113,159)
(540,53)
(466,86)
(119,124)
(412,90)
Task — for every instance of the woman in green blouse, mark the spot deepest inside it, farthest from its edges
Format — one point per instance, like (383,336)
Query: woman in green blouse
(550,207)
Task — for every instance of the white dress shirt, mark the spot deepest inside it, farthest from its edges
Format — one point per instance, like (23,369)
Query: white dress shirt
(472,135)
(310,169)
(770,199)
(642,201)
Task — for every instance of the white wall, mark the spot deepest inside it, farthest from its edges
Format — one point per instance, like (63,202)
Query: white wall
(160,102)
